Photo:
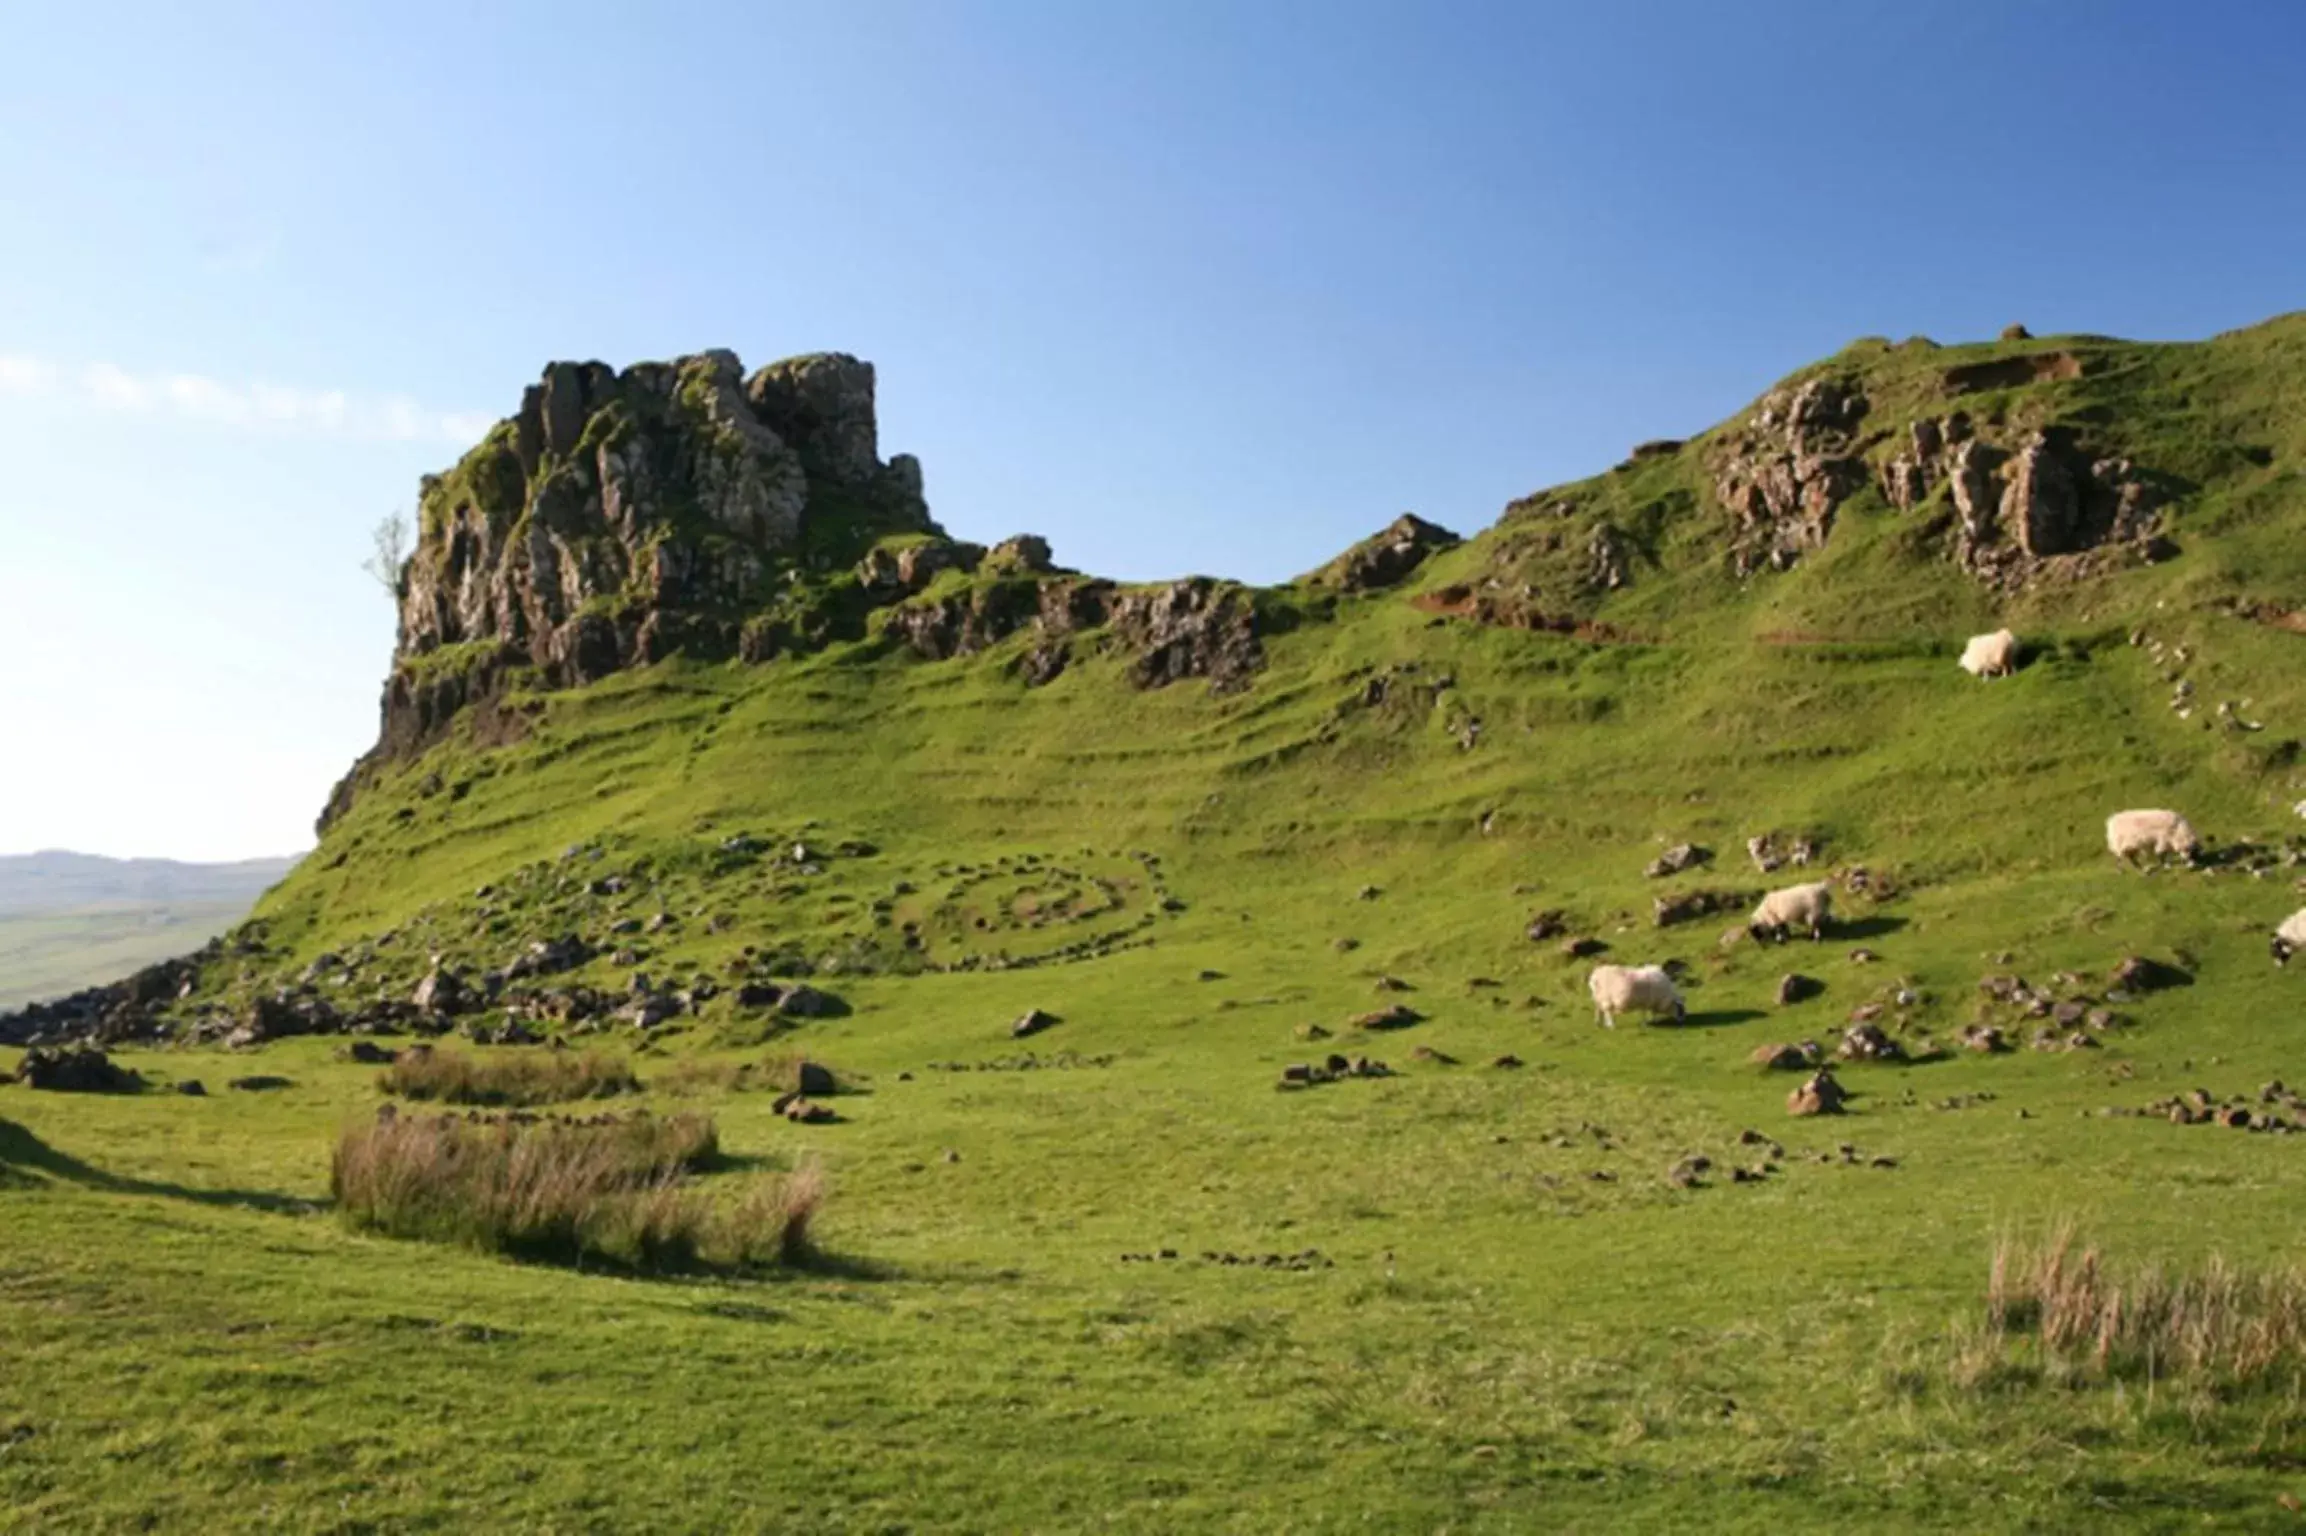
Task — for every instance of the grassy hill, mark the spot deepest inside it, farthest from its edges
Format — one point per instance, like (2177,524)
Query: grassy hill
(1492,1304)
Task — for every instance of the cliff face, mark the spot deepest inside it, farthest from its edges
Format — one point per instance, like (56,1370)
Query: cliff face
(621,516)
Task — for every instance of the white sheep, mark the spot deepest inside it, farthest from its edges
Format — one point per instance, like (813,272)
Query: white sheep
(1620,989)
(1796,906)
(1994,655)
(2158,834)
(2290,937)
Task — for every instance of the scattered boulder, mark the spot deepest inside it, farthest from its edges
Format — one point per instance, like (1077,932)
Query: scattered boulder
(1686,1173)
(806,1002)
(815,1080)
(1680,857)
(1984,1039)
(1549,924)
(1794,987)
(1787,1058)
(1399,1016)
(260,1083)
(2138,973)
(1582,948)
(369,1053)
(68,1070)
(442,991)
(1031,1022)
(1865,1041)
(1506,1062)
(193,1088)
(1819,1094)
(809,1112)
(1686,906)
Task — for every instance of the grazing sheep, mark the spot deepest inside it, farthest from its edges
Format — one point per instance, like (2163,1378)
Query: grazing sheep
(2290,937)
(1620,989)
(1994,655)
(2158,834)
(1796,906)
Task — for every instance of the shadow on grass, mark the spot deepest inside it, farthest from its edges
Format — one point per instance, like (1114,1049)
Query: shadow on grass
(1719,1018)
(1873,927)
(23,1154)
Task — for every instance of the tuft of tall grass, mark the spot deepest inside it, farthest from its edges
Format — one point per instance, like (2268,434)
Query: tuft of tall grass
(613,1190)
(511,1080)
(2220,1324)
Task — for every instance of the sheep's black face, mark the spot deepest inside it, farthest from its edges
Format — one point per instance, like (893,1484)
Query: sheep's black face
(2281,949)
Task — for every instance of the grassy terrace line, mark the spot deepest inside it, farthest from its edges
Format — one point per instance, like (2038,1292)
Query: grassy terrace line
(1109,1276)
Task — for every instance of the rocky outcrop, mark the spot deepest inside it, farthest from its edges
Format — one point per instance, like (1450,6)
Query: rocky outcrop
(619,517)
(1786,472)
(2027,501)
(2033,508)
(1190,628)
(1387,557)
(1196,627)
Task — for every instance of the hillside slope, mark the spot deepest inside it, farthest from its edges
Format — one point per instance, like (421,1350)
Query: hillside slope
(1762,616)
(890,790)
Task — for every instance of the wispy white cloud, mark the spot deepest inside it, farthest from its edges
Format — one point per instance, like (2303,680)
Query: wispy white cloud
(252,407)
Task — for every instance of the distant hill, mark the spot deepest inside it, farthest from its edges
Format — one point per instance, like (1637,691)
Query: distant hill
(69,920)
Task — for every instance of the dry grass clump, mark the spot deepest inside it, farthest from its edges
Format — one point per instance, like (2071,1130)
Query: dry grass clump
(613,1190)
(511,1080)
(2221,1324)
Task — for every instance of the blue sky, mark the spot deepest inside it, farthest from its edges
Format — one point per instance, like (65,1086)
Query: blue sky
(1186,286)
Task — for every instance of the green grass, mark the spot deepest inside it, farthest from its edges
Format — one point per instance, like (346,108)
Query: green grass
(1498,1340)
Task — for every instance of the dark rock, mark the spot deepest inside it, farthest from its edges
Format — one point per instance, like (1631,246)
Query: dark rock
(260,1083)
(1508,1061)
(1031,1022)
(1549,924)
(443,991)
(1582,948)
(808,1112)
(806,1002)
(371,1054)
(1795,988)
(2137,973)
(193,1088)
(1399,1016)
(815,1080)
(68,1070)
